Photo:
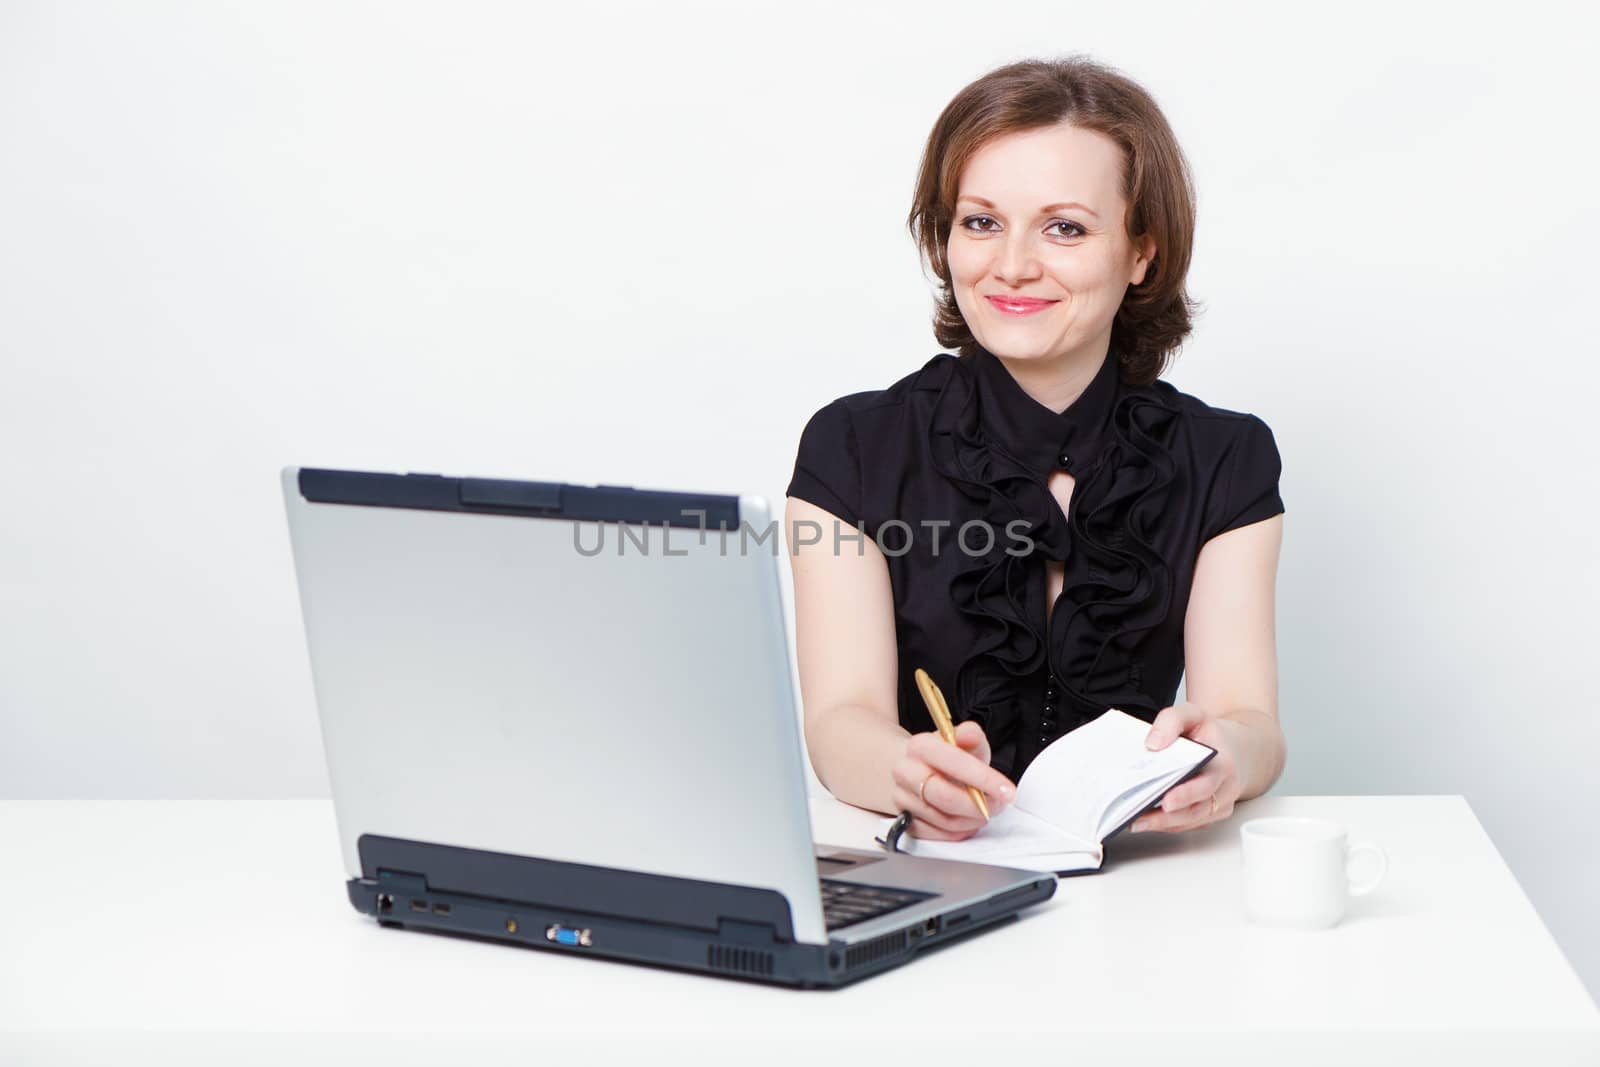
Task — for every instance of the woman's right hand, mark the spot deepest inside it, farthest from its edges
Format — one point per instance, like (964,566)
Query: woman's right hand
(945,811)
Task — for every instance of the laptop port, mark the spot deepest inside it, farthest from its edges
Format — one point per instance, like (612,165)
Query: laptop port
(932,925)
(419,905)
(385,904)
(567,935)
(441,909)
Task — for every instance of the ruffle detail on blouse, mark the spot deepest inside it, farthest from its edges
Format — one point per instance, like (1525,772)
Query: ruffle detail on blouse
(1115,583)
(1124,588)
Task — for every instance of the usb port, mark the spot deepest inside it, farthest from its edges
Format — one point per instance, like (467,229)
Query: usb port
(441,909)
(419,905)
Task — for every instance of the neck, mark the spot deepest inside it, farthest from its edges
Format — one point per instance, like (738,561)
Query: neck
(1055,381)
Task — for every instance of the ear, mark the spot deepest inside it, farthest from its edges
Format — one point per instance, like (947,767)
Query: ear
(1144,254)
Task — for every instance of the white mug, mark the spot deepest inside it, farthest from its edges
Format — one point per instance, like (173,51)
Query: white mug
(1297,870)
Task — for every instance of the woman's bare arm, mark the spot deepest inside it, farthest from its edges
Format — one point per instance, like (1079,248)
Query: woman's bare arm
(849,662)
(1230,645)
(845,639)
(1231,681)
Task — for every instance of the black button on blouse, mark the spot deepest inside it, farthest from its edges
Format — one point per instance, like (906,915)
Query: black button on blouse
(958,448)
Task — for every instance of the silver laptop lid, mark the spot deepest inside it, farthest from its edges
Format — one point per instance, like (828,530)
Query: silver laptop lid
(487,678)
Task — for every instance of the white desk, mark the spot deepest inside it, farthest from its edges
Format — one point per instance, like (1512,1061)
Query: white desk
(180,932)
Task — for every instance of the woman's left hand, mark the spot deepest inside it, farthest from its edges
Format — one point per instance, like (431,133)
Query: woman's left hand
(1207,797)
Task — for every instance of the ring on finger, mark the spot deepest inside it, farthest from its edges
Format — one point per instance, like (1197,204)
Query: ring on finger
(920,797)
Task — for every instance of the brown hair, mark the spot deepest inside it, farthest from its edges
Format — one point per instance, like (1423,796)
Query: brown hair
(1155,314)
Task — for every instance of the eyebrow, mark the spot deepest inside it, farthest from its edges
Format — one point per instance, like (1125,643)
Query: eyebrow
(1044,210)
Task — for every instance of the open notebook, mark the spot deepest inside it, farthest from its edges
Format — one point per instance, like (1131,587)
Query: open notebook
(1084,787)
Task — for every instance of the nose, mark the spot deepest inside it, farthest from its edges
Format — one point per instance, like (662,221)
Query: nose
(1015,262)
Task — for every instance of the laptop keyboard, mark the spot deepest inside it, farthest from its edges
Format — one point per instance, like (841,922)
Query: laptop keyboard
(844,903)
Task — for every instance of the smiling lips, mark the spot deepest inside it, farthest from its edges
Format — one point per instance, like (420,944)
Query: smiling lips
(1017,305)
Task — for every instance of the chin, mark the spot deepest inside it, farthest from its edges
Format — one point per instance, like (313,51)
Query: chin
(1012,349)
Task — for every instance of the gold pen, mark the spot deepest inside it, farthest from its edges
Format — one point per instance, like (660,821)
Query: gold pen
(941,718)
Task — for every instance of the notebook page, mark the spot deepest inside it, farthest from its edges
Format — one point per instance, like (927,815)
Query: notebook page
(1083,773)
(1135,800)
(1013,838)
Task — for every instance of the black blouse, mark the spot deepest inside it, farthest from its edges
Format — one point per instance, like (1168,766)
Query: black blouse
(1157,473)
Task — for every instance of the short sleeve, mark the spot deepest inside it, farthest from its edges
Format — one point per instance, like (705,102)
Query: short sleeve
(827,468)
(1250,489)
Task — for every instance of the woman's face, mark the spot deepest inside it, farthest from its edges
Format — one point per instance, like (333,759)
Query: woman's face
(1039,216)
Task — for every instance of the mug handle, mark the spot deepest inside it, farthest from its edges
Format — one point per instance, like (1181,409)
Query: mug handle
(1356,848)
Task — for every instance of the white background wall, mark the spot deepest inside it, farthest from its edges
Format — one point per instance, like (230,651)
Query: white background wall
(641,245)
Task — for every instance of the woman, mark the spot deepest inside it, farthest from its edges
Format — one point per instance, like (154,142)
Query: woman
(1039,523)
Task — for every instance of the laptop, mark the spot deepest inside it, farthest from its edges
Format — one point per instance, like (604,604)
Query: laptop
(561,716)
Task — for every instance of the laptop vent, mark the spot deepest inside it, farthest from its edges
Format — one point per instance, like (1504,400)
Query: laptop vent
(876,949)
(738,960)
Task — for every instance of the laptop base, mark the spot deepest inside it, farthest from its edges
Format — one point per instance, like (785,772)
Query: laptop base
(729,931)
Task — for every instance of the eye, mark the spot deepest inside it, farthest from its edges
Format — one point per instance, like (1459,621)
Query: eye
(976,224)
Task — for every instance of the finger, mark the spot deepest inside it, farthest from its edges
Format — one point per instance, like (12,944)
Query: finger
(970,736)
(1197,789)
(929,832)
(960,765)
(1190,818)
(953,799)
(1200,814)
(907,800)
(994,801)
(909,773)
(1172,722)
(913,779)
